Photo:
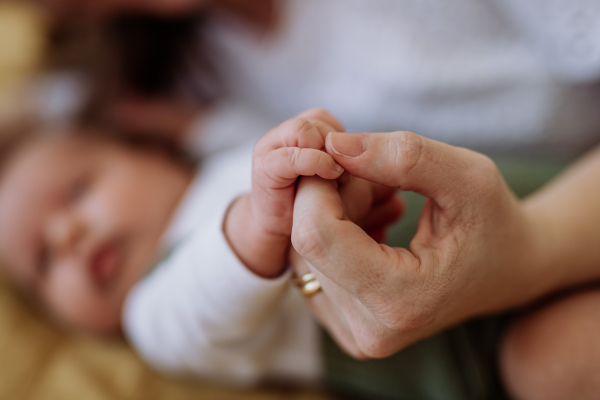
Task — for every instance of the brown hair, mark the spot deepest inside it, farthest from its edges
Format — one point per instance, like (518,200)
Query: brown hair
(138,53)
(17,135)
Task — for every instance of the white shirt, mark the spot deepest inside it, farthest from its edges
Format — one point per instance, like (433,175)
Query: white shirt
(203,313)
(504,75)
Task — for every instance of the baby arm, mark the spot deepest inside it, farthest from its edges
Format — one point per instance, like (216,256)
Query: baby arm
(258,225)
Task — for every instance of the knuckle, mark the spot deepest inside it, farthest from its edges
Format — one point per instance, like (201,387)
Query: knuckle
(295,126)
(307,236)
(324,159)
(407,148)
(484,174)
(293,155)
(320,113)
(485,166)
(301,126)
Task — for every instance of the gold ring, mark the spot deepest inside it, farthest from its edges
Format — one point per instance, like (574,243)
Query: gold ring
(308,284)
(311,288)
(304,279)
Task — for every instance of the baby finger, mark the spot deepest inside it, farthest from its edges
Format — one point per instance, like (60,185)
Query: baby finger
(287,163)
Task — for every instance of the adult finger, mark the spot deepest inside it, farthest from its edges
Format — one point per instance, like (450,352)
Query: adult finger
(325,307)
(410,162)
(327,241)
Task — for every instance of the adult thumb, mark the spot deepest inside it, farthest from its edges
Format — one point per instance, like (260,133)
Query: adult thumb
(410,162)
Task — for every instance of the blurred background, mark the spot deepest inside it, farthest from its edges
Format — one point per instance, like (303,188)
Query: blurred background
(22,50)
(519,80)
(37,360)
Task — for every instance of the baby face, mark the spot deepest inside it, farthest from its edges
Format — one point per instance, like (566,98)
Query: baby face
(81,219)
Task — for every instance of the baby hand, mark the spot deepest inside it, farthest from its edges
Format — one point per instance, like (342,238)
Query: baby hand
(259,225)
(294,148)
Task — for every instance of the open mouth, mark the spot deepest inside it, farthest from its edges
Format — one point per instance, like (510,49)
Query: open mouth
(104,263)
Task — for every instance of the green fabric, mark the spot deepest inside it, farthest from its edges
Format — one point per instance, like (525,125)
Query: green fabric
(457,364)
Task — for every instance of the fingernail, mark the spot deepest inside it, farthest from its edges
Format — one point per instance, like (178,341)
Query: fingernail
(347,144)
(338,168)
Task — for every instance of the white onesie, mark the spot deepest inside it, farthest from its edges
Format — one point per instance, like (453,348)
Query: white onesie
(202,313)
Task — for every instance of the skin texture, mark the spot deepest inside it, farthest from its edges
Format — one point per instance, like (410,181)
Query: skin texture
(553,352)
(82,218)
(407,294)
(477,250)
(259,224)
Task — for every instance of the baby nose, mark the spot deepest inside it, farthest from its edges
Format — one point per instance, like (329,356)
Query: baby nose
(63,232)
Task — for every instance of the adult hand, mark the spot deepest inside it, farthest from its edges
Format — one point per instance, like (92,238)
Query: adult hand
(475,250)
(373,208)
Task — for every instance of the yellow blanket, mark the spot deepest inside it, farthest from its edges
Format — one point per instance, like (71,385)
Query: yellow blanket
(38,361)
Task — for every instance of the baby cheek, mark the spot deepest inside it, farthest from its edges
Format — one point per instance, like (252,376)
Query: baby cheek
(137,209)
(125,197)
(110,206)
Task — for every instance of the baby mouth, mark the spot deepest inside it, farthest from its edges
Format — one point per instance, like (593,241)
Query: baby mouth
(104,263)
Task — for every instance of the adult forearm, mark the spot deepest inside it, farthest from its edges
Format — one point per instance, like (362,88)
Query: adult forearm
(567,215)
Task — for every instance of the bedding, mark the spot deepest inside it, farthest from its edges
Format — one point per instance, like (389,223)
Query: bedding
(39,361)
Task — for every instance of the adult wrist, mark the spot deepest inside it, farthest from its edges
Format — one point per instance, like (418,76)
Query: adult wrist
(544,277)
(521,273)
